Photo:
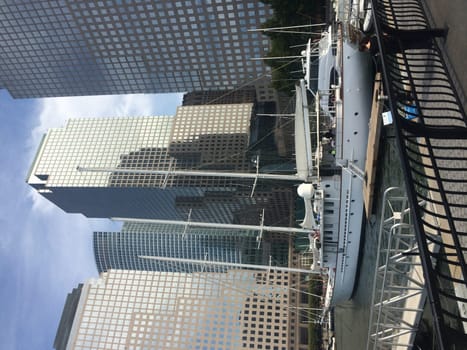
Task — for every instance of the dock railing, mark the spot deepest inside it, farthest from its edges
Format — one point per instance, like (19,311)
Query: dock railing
(399,291)
(431,132)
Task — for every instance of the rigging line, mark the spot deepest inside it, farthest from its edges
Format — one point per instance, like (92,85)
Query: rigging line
(252,81)
(289,104)
(243,290)
(209,277)
(231,156)
(288,121)
(294,288)
(266,135)
(230,92)
(308,316)
(287,27)
(293,32)
(263,291)
(239,87)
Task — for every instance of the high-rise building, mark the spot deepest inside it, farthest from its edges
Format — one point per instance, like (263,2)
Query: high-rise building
(237,309)
(93,167)
(122,250)
(66,47)
(209,97)
(67,319)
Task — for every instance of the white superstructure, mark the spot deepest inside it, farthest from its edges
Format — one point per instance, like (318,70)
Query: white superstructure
(344,105)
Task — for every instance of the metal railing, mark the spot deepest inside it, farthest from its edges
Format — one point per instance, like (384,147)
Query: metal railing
(399,288)
(431,133)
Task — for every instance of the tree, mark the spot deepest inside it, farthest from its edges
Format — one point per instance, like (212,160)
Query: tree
(289,13)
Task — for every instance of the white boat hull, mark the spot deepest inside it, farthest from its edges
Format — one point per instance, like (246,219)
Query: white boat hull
(346,98)
(357,94)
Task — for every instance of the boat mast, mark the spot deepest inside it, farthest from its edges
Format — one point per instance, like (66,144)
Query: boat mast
(287,29)
(295,177)
(227,264)
(217,225)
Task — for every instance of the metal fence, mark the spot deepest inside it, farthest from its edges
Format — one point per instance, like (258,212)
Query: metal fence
(398,289)
(431,133)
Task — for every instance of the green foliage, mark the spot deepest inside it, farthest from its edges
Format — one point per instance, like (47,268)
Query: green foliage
(290,13)
(288,10)
(315,338)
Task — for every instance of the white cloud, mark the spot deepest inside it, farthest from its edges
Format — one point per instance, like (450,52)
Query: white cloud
(55,255)
(39,203)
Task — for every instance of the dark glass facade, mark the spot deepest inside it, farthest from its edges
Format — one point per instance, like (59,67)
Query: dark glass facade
(122,250)
(82,168)
(67,47)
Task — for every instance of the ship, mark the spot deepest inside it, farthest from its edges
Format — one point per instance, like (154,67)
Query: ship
(335,159)
(330,157)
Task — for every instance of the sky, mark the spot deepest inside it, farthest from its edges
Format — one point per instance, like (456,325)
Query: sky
(45,252)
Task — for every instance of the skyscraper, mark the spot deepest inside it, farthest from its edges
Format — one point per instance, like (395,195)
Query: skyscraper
(66,47)
(122,250)
(67,319)
(237,309)
(208,97)
(86,167)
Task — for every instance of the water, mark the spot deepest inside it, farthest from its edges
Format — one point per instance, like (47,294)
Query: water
(352,317)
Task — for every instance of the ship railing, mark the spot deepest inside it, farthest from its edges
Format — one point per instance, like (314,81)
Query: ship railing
(329,109)
(431,134)
(346,11)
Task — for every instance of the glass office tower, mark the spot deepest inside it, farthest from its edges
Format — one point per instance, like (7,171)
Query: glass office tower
(123,250)
(91,167)
(237,309)
(67,47)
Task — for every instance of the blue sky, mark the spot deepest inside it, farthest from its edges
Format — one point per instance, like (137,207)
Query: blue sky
(45,252)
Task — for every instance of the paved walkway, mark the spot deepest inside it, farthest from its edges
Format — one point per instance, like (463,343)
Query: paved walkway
(452,14)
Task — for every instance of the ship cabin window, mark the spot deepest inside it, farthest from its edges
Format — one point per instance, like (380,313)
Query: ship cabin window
(333,81)
(334,49)
(333,78)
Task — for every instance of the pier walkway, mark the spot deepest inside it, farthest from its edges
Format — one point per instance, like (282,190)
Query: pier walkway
(426,100)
